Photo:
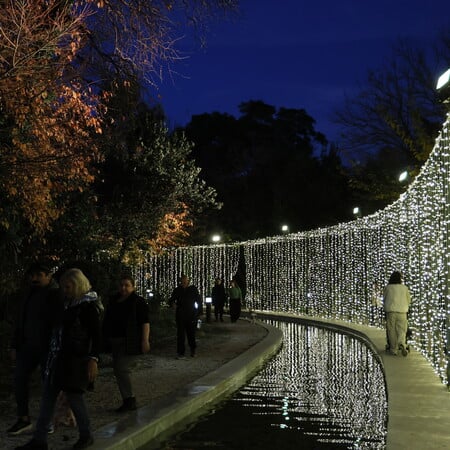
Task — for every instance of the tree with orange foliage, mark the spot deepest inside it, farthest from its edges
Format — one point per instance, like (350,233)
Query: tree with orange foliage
(48,117)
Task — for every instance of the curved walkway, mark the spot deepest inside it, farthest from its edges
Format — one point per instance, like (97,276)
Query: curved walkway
(418,403)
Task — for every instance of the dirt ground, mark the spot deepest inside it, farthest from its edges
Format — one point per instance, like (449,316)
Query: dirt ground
(155,375)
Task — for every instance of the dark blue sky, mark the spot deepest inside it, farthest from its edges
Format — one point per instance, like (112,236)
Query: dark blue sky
(296,54)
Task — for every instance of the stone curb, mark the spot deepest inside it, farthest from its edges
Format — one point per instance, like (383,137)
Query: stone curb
(172,413)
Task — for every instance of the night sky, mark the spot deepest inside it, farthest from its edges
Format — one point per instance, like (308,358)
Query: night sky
(296,54)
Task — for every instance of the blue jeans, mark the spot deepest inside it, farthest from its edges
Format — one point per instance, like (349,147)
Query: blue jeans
(28,358)
(47,408)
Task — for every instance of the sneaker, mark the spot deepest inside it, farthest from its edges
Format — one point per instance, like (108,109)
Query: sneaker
(192,354)
(20,427)
(33,445)
(83,443)
(180,357)
(50,429)
(404,350)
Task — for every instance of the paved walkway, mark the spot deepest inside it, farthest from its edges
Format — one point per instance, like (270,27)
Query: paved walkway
(418,403)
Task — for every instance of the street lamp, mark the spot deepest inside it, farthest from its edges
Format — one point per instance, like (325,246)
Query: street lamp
(356,211)
(403,176)
(443,87)
(284,228)
(215,238)
(443,79)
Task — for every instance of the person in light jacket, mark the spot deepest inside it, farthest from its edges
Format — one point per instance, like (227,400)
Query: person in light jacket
(396,300)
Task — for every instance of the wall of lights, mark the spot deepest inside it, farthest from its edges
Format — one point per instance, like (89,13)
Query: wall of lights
(159,275)
(340,272)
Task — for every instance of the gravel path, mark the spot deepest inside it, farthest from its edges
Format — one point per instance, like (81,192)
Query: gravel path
(155,375)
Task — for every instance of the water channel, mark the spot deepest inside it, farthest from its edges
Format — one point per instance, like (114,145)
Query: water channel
(323,390)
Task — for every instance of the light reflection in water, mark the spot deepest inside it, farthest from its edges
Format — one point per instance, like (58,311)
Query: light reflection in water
(324,390)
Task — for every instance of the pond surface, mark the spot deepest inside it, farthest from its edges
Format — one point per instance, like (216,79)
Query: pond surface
(323,390)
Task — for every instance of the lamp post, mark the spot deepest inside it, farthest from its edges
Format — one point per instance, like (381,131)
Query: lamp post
(215,238)
(208,302)
(285,228)
(357,211)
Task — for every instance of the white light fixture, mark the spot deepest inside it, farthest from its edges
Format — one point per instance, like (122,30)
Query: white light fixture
(215,238)
(403,176)
(443,79)
(284,228)
(356,210)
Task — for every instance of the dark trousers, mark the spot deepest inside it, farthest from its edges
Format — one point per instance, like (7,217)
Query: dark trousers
(47,408)
(186,329)
(27,360)
(235,309)
(218,310)
(122,365)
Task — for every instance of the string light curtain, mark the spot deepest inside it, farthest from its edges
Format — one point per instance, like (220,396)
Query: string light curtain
(340,272)
(159,274)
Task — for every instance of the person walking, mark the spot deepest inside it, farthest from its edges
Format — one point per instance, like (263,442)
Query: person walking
(186,300)
(396,301)
(36,315)
(219,297)
(126,331)
(235,295)
(72,360)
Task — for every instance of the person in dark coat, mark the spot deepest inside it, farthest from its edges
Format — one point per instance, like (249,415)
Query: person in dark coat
(37,312)
(219,297)
(186,299)
(72,361)
(126,328)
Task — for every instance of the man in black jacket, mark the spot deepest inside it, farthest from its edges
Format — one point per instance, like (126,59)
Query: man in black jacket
(37,311)
(187,300)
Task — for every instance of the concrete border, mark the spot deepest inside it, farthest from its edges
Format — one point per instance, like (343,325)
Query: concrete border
(185,405)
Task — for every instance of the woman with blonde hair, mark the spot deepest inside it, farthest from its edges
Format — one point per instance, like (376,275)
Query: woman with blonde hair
(73,357)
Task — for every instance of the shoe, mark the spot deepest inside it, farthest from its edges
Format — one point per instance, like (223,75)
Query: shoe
(33,445)
(20,427)
(83,443)
(129,404)
(192,354)
(404,350)
(50,429)
(180,357)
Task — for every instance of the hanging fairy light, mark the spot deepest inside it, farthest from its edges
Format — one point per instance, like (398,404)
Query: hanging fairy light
(336,272)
